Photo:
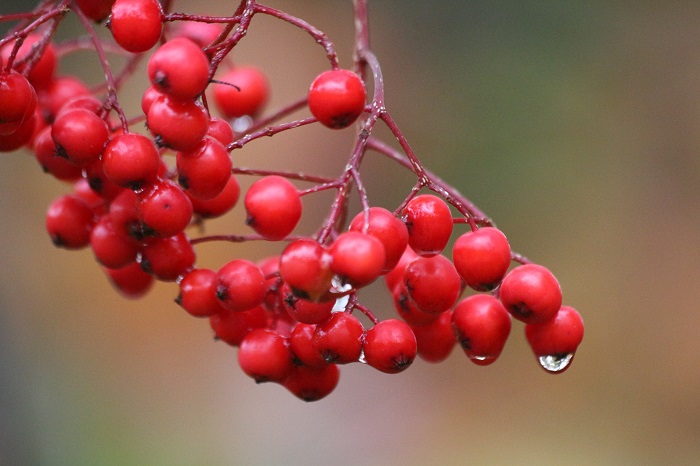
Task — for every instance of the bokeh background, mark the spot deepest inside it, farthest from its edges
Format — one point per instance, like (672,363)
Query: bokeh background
(573,124)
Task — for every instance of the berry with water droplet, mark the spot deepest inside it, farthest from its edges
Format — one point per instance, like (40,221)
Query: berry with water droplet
(555,342)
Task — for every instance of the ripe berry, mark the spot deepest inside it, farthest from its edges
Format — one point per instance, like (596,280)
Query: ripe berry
(482,258)
(301,345)
(357,258)
(96,10)
(303,310)
(198,293)
(50,162)
(220,130)
(395,275)
(554,342)
(21,136)
(407,309)
(429,223)
(69,221)
(311,383)
(435,339)
(111,246)
(168,258)
(130,281)
(273,207)
(339,339)
(337,98)
(305,266)
(42,67)
(80,136)
(136,25)
(219,204)
(204,171)
(164,208)
(390,346)
(179,68)
(18,101)
(531,293)
(388,229)
(249,95)
(59,91)
(177,125)
(240,285)
(433,284)
(481,325)
(131,160)
(232,326)
(264,355)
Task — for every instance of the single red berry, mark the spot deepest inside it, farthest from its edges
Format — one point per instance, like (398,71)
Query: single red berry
(165,209)
(301,345)
(130,281)
(482,258)
(531,293)
(395,275)
(435,339)
(37,53)
(220,130)
(240,285)
(555,342)
(22,136)
(390,346)
(303,310)
(388,229)
(219,204)
(407,309)
(177,124)
(112,247)
(125,215)
(136,25)
(337,98)
(305,266)
(168,258)
(86,102)
(149,96)
(50,162)
(96,10)
(357,258)
(198,293)
(204,171)
(312,383)
(232,326)
(18,101)
(201,33)
(247,94)
(179,68)
(339,339)
(433,284)
(264,355)
(131,160)
(273,207)
(429,223)
(69,221)
(80,136)
(59,91)
(481,325)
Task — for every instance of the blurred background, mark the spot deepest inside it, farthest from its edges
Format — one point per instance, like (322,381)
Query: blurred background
(574,125)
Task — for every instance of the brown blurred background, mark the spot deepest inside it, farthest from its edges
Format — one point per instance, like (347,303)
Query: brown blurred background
(573,124)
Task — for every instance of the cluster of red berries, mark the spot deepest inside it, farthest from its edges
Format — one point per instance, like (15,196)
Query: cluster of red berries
(293,316)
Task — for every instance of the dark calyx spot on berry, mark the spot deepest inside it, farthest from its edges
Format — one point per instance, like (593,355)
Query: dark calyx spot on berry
(183,181)
(222,292)
(61,152)
(158,140)
(57,241)
(329,356)
(343,121)
(250,220)
(291,300)
(138,230)
(301,294)
(178,300)
(160,79)
(521,309)
(401,362)
(135,185)
(96,184)
(310,395)
(486,286)
(146,265)
(464,342)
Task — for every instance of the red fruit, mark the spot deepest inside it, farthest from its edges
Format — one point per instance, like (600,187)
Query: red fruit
(435,339)
(357,258)
(429,223)
(337,98)
(219,204)
(149,96)
(273,207)
(112,247)
(481,325)
(554,342)
(264,355)
(21,136)
(201,33)
(303,310)
(433,284)
(240,285)
(339,339)
(531,293)
(177,125)
(80,136)
(96,10)
(69,221)
(388,229)
(301,345)
(220,130)
(395,275)
(305,266)
(59,91)
(233,326)
(41,59)
(164,208)
(18,101)
(45,153)
(407,309)
(390,346)
(482,258)
(86,102)
(198,293)
(168,258)
(249,95)
(136,25)
(204,171)
(312,384)
(130,281)
(179,68)
(131,160)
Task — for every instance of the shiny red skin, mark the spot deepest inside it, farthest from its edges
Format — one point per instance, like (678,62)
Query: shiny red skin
(390,346)
(136,25)
(179,68)
(429,223)
(482,258)
(531,293)
(481,325)
(204,171)
(131,160)
(273,207)
(339,339)
(337,98)
(433,283)
(240,285)
(248,97)
(388,229)
(357,258)
(559,336)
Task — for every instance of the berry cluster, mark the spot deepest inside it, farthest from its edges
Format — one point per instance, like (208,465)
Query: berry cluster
(297,316)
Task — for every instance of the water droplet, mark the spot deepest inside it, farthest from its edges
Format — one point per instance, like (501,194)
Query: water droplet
(555,362)
(362,357)
(340,287)
(241,124)
(480,358)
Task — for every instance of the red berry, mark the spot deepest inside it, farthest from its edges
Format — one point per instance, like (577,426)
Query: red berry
(69,221)
(482,258)
(112,247)
(201,33)
(198,293)
(177,124)
(554,342)
(131,281)
(219,204)
(407,309)
(249,95)
(21,136)
(273,207)
(168,258)
(59,91)
(303,310)
(388,229)
(264,355)
(305,266)
(312,384)
(164,208)
(96,10)
(131,160)
(18,101)
(433,284)
(435,339)
(220,130)
(80,136)
(531,293)
(339,339)
(136,25)
(240,285)
(357,258)
(429,223)
(42,60)
(337,98)
(395,275)
(301,345)
(50,162)
(481,325)
(232,326)
(204,171)
(179,68)
(390,346)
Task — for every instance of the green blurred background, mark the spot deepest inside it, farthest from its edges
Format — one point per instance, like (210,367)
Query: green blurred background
(573,124)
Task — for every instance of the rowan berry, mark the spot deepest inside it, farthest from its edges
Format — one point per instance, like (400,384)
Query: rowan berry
(301,345)
(247,93)
(388,229)
(179,68)
(136,25)
(240,285)
(41,56)
(131,160)
(303,310)
(220,130)
(312,383)
(481,325)
(305,266)
(168,258)
(130,281)
(204,171)
(407,309)
(482,258)
(96,10)
(69,221)
(395,275)
(164,208)
(337,98)
(264,355)
(232,326)
(531,293)
(59,91)
(273,207)
(390,346)
(432,283)
(177,124)
(555,341)
(18,101)
(80,136)
(339,339)
(357,258)
(21,136)
(429,223)
(219,204)
(435,339)
(112,248)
